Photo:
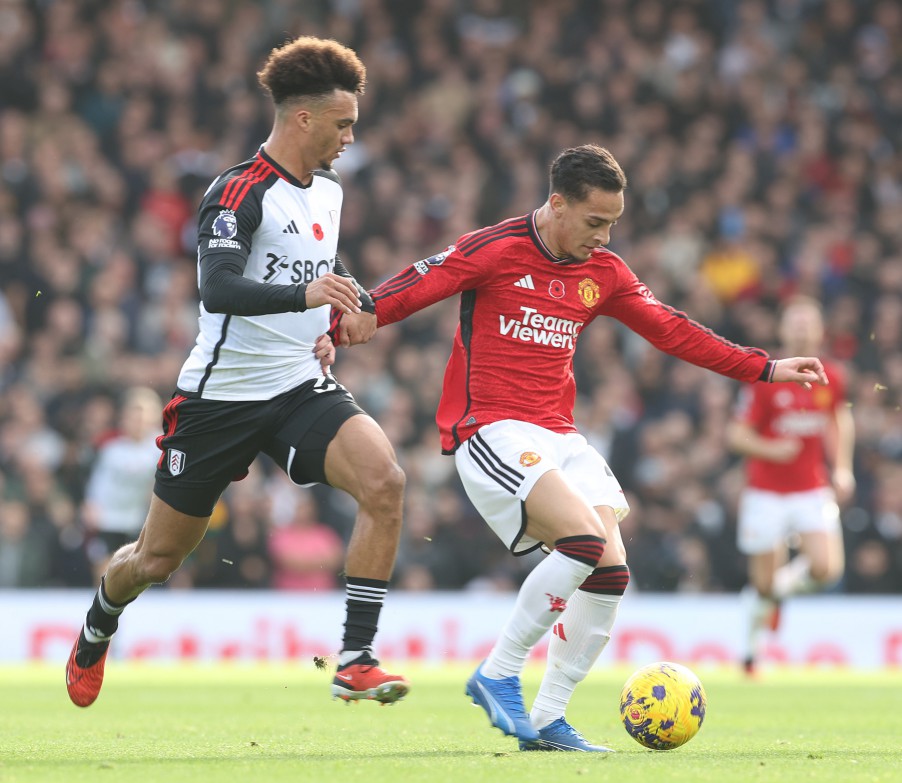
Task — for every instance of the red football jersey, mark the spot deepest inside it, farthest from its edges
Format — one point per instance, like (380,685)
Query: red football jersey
(521,313)
(787,410)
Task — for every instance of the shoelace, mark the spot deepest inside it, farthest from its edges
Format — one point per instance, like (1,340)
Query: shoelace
(560,726)
(509,688)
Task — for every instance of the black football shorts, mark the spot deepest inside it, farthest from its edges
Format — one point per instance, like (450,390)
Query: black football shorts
(207,444)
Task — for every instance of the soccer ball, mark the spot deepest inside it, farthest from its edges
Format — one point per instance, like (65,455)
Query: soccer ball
(663,705)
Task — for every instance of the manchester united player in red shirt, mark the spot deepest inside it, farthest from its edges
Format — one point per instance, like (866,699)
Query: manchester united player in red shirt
(798,443)
(528,287)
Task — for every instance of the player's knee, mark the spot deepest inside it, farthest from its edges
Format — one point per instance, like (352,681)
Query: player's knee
(825,574)
(763,585)
(616,553)
(584,522)
(383,488)
(157,567)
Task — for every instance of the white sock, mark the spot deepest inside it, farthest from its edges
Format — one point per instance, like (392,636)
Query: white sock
(578,638)
(92,636)
(758,610)
(794,578)
(346,656)
(540,602)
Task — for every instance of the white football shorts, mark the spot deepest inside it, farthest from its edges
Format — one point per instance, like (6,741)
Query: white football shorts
(767,519)
(501,463)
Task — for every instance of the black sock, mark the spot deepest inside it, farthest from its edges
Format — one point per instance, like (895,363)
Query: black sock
(364,603)
(101,621)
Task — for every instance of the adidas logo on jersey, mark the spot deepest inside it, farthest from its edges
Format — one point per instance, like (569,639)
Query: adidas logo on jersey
(291,228)
(526,282)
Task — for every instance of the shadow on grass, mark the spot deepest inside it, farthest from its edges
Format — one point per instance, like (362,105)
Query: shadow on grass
(256,758)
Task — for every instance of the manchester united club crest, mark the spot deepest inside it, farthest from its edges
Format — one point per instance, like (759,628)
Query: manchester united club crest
(588,292)
(529,458)
(823,398)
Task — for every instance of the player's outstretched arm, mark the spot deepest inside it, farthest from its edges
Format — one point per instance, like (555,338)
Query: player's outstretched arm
(803,370)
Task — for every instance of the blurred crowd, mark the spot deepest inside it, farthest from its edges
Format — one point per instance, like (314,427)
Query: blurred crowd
(762,140)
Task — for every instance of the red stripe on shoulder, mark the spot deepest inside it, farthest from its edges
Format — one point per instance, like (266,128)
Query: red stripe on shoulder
(243,184)
(236,182)
(512,227)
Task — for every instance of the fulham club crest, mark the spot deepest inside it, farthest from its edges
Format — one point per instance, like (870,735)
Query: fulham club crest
(176,461)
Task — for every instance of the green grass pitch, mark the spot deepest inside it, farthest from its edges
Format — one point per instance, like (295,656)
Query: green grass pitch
(253,723)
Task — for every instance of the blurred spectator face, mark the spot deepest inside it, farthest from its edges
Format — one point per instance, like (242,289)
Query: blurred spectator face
(871,560)
(802,328)
(13,521)
(141,413)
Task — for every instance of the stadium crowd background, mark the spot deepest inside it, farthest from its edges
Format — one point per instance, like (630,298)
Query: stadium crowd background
(763,144)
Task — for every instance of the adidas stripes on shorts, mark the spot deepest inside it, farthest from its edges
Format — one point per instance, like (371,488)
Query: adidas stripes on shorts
(501,463)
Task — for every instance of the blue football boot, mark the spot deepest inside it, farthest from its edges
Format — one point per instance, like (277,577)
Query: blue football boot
(560,735)
(503,702)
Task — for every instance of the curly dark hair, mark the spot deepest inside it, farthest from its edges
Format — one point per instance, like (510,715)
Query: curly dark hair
(577,170)
(310,66)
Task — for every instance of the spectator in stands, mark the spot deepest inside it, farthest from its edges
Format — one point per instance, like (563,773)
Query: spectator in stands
(770,131)
(306,554)
(121,481)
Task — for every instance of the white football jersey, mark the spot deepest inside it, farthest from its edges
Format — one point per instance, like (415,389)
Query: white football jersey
(288,234)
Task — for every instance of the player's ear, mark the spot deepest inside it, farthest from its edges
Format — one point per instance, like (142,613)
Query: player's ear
(303,118)
(558,203)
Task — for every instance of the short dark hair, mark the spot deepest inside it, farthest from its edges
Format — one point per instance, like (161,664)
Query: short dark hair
(310,66)
(579,169)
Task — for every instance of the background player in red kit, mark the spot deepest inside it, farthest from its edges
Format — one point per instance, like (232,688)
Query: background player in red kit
(528,287)
(798,443)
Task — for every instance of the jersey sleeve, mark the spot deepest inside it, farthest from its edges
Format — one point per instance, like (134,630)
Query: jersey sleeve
(229,214)
(427,282)
(366,301)
(226,226)
(673,332)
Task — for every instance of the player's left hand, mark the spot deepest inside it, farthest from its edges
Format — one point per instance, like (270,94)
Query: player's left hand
(356,329)
(803,370)
(843,485)
(324,350)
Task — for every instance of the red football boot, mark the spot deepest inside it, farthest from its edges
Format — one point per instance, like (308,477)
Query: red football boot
(366,680)
(84,684)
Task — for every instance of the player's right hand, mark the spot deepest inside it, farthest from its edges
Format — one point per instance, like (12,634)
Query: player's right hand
(335,290)
(357,329)
(803,370)
(783,450)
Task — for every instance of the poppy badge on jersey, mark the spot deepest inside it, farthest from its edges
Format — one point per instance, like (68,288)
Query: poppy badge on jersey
(176,461)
